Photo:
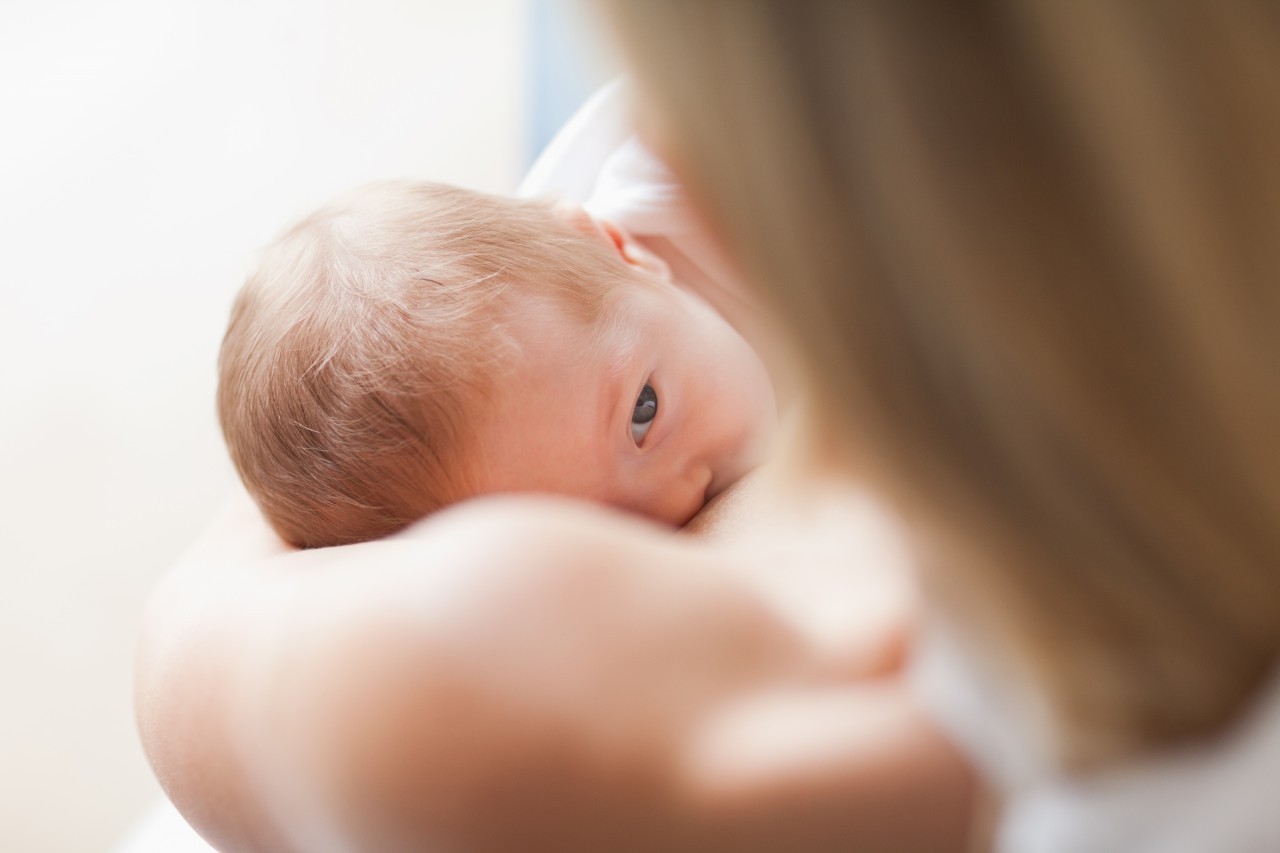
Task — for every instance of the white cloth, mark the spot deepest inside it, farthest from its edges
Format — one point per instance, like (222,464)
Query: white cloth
(570,165)
(1219,796)
(162,830)
(596,160)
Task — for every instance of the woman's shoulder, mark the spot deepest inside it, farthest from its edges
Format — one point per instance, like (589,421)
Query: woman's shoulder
(1219,788)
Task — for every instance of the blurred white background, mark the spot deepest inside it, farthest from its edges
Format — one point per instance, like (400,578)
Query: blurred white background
(148,148)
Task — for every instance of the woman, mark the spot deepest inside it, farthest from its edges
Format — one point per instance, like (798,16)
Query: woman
(1027,252)
(989,232)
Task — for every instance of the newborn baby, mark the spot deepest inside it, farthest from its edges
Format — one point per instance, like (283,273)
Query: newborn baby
(416,344)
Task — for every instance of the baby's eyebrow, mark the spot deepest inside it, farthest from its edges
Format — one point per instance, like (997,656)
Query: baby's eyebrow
(612,344)
(616,335)
(612,389)
(612,347)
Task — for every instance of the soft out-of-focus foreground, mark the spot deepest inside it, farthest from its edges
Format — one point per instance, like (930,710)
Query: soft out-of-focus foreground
(149,148)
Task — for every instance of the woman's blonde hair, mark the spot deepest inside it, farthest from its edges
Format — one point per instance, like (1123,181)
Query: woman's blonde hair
(361,350)
(1030,254)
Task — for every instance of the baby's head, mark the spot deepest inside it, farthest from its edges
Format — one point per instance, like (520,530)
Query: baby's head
(416,344)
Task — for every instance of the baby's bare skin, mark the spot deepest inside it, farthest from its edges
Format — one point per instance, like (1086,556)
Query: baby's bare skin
(539,674)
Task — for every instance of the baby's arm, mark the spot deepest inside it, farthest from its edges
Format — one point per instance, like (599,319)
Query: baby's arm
(518,675)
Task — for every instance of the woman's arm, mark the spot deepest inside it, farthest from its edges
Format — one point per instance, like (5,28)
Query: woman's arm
(518,675)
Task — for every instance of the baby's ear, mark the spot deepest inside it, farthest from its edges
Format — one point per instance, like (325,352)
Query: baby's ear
(633,252)
(627,247)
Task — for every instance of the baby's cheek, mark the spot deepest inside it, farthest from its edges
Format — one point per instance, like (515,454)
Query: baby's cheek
(757,405)
(665,493)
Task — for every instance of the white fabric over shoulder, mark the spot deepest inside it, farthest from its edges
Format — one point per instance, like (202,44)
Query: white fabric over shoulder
(1218,796)
(571,163)
(598,161)
(162,830)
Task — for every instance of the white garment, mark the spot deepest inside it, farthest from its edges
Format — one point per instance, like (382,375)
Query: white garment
(1220,796)
(597,161)
(162,830)
(570,165)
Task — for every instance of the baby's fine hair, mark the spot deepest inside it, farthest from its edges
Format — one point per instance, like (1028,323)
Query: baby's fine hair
(364,345)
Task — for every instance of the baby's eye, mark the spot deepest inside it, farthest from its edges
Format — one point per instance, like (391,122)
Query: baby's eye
(645,411)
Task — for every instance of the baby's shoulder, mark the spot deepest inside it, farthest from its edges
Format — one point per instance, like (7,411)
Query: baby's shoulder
(513,538)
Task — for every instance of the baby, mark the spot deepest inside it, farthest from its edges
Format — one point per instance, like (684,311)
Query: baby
(416,344)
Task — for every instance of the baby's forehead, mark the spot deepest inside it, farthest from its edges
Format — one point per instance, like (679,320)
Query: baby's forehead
(537,426)
(601,330)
